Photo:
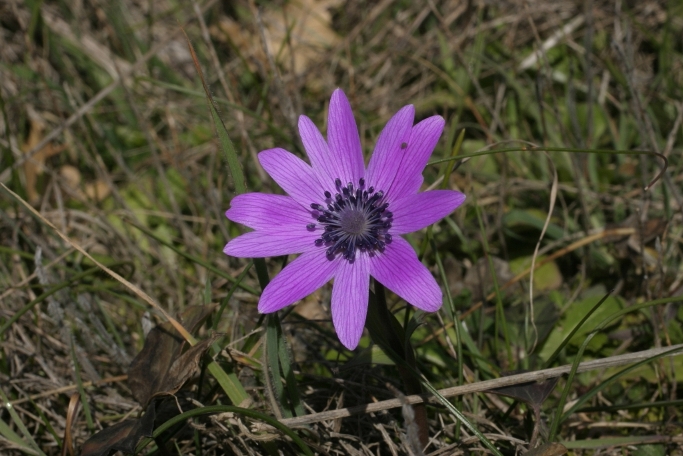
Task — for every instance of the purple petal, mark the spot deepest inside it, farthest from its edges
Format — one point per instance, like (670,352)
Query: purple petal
(388,154)
(262,211)
(423,138)
(417,211)
(318,152)
(350,300)
(343,140)
(398,269)
(275,242)
(298,279)
(292,174)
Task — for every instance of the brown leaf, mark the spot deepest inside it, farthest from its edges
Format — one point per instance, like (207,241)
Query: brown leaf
(478,278)
(649,230)
(94,191)
(300,26)
(184,367)
(34,166)
(71,176)
(532,393)
(159,367)
(71,413)
(311,307)
(123,436)
(549,449)
(97,191)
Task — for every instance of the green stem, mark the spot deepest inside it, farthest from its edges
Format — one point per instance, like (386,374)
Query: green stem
(454,317)
(411,382)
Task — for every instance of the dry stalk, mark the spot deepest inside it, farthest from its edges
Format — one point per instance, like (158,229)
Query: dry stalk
(486,385)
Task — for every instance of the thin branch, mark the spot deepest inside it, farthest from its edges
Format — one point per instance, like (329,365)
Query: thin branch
(486,385)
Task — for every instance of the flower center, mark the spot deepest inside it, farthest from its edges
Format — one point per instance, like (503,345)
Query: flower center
(354,219)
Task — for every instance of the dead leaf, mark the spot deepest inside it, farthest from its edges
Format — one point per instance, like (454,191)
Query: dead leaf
(97,191)
(94,191)
(34,167)
(549,449)
(311,307)
(160,368)
(479,280)
(532,393)
(184,368)
(71,176)
(629,246)
(71,413)
(308,23)
(123,436)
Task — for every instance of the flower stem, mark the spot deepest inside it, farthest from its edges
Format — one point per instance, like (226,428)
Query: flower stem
(401,346)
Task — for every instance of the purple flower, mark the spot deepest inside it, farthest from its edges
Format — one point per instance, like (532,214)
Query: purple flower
(346,220)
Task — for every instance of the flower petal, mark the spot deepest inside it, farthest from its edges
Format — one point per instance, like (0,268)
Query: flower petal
(318,152)
(350,300)
(343,140)
(298,279)
(423,138)
(417,211)
(388,154)
(265,211)
(275,242)
(398,269)
(292,174)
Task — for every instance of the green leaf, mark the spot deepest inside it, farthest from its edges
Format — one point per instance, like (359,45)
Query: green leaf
(370,355)
(229,383)
(229,152)
(574,325)
(272,363)
(288,374)
(546,277)
(13,437)
(531,218)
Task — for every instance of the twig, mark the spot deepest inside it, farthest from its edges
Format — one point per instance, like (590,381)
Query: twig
(66,389)
(486,385)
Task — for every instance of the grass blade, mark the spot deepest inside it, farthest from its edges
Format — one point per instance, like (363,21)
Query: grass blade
(215,409)
(227,146)
(27,442)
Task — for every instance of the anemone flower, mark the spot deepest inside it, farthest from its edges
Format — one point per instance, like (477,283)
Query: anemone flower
(345,220)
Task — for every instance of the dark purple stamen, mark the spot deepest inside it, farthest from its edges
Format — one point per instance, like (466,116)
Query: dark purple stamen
(355,219)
